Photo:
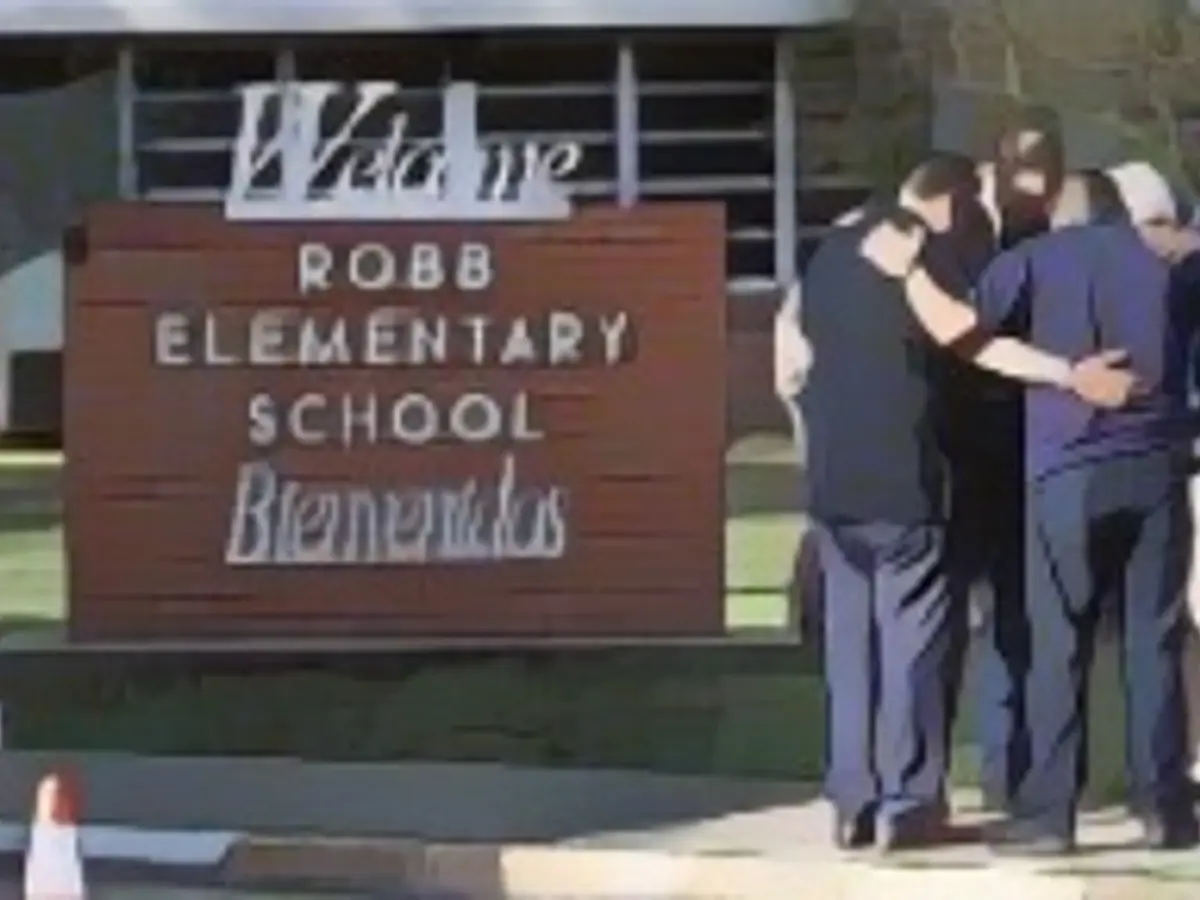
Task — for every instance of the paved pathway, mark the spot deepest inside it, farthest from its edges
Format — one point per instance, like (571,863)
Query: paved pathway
(486,825)
(799,833)
(11,890)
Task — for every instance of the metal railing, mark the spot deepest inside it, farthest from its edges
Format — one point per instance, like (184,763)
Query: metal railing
(642,133)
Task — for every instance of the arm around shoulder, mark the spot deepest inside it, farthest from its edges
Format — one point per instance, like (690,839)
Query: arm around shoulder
(946,319)
(901,253)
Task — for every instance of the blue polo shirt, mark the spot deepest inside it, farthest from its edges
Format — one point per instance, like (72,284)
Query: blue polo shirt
(1093,287)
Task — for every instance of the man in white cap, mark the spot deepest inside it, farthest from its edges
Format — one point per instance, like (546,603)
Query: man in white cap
(1152,206)
(1105,504)
(1147,196)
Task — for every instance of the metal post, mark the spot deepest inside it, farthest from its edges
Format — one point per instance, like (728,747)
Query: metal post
(627,124)
(285,64)
(126,100)
(786,160)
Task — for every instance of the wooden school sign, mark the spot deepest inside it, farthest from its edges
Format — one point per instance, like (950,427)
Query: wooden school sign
(322,423)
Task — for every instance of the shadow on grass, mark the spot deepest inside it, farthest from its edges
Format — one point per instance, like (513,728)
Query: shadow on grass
(14,623)
(747,713)
(764,487)
(46,442)
(582,706)
(30,496)
(25,520)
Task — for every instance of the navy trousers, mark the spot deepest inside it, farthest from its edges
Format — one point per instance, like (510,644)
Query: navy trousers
(1116,528)
(987,572)
(807,591)
(887,637)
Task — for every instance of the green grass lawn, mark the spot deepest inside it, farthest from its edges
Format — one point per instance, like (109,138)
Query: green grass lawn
(31,547)
(746,712)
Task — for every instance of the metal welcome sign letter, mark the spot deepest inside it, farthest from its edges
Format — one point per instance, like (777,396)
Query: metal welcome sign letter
(455,178)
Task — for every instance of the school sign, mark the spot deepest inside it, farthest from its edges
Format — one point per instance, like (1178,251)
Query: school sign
(395,386)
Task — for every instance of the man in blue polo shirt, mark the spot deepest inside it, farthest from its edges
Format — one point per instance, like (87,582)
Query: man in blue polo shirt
(1106,514)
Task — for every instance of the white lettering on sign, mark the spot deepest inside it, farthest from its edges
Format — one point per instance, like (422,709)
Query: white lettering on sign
(389,336)
(455,178)
(411,420)
(374,267)
(286,522)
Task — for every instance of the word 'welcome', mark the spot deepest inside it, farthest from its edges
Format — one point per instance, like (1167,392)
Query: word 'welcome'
(328,174)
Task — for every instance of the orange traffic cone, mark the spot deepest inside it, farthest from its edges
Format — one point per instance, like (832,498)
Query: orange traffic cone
(53,863)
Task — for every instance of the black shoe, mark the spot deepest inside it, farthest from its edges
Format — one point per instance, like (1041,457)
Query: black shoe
(1174,832)
(941,807)
(854,832)
(1013,838)
(926,826)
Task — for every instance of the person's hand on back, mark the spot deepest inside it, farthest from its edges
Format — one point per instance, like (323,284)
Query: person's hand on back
(1104,379)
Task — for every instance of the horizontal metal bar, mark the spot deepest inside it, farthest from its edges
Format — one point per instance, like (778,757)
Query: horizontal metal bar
(164,96)
(183,145)
(151,94)
(751,235)
(658,187)
(548,91)
(154,95)
(702,88)
(826,182)
(744,285)
(214,194)
(702,135)
(716,184)
(182,195)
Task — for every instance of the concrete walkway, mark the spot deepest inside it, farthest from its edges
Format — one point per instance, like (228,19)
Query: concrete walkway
(489,831)
(11,889)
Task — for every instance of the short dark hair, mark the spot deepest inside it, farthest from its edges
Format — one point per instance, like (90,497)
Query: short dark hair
(1013,151)
(1103,196)
(944,174)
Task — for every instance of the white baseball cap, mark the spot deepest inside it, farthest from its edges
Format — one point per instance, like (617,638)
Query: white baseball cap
(1146,193)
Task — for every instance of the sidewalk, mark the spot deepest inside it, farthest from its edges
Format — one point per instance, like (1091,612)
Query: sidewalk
(488,831)
(12,890)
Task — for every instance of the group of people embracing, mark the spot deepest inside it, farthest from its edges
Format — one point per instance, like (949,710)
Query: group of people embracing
(994,369)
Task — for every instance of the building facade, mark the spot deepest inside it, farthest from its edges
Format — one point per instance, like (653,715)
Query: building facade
(745,103)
